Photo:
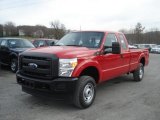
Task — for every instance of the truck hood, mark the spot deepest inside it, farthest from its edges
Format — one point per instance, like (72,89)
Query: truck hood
(65,51)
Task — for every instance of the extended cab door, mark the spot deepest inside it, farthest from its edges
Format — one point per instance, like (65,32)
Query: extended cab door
(113,65)
(110,63)
(125,54)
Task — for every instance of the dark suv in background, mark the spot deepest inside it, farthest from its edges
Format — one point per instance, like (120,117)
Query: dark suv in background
(10,49)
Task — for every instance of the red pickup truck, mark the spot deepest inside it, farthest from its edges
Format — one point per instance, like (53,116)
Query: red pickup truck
(78,62)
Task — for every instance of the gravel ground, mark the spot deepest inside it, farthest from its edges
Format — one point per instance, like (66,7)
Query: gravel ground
(118,99)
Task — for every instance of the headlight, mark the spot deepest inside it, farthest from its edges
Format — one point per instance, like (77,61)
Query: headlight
(66,66)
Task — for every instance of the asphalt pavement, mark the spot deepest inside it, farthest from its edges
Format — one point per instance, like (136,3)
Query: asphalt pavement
(117,99)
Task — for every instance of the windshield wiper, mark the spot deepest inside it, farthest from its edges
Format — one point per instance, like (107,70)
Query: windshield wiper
(75,45)
(57,45)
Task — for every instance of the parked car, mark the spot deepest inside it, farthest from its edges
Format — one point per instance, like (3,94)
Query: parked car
(79,62)
(132,46)
(146,46)
(10,49)
(156,49)
(44,42)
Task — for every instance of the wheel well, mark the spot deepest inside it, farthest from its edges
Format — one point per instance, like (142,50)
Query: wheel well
(142,61)
(91,71)
(13,57)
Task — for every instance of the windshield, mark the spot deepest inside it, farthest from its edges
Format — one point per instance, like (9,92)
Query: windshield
(82,39)
(20,43)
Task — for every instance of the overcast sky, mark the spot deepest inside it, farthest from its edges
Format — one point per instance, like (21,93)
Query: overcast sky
(89,14)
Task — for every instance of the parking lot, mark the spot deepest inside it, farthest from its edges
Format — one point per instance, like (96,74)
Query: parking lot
(118,99)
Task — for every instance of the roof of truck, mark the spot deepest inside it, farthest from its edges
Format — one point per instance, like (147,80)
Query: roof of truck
(96,31)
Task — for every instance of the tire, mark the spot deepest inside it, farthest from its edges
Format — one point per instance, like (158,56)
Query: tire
(85,92)
(139,73)
(14,65)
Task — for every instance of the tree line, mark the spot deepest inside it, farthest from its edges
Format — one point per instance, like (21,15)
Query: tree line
(57,30)
(137,35)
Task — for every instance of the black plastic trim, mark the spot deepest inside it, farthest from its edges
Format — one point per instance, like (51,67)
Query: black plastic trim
(48,65)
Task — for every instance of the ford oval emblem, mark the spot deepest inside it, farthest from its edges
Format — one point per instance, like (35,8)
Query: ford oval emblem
(33,66)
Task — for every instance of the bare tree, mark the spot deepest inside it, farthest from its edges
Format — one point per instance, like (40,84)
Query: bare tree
(152,36)
(59,29)
(10,29)
(38,34)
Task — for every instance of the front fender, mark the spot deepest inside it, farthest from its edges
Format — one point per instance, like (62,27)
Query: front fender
(85,64)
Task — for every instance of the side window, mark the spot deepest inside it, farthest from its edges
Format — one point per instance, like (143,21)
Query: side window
(42,43)
(35,43)
(4,43)
(123,43)
(39,43)
(109,39)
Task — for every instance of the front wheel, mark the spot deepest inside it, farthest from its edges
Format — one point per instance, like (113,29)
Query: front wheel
(139,73)
(14,65)
(85,92)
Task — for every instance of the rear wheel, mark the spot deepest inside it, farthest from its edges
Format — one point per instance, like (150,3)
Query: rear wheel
(85,92)
(14,65)
(139,73)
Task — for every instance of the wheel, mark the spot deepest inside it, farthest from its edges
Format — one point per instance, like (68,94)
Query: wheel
(14,65)
(139,73)
(85,92)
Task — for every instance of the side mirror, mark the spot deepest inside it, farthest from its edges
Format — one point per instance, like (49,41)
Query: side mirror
(116,48)
(107,49)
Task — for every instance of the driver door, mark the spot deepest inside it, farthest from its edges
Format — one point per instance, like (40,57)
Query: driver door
(110,63)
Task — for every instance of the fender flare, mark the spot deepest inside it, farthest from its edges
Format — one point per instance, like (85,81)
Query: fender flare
(82,66)
(140,57)
(13,54)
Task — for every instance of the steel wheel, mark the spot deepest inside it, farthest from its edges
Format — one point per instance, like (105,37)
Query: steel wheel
(88,93)
(13,65)
(85,92)
(141,72)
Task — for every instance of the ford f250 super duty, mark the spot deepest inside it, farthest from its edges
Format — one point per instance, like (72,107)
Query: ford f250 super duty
(78,62)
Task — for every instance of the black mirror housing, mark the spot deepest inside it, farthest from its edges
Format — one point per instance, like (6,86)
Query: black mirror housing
(116,48)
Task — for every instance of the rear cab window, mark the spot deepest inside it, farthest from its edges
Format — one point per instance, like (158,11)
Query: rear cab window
(123,42)
(39,43)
